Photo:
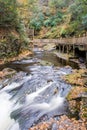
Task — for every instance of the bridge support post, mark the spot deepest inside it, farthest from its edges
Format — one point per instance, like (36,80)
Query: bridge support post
(59,48)
(67,49)
(63,49)
(73,50)
(86,59)
(86,55)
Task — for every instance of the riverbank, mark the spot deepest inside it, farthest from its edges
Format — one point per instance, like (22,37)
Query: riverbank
(64,123)
(77,97)
(8,71)
(22,55)
(64,56)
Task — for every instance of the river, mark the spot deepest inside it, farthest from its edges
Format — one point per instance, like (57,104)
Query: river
(35,93)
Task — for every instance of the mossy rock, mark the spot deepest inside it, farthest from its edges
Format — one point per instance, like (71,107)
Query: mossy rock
(75,78)
(46,63)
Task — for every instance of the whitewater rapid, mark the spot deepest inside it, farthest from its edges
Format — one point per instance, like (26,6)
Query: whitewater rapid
(28,97)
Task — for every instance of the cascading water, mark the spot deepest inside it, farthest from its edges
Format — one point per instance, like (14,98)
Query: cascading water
(35,94)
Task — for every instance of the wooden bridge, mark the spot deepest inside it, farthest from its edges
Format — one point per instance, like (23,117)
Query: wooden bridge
(65,44)
(71,41)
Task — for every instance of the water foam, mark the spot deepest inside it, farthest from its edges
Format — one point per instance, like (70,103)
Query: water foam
(30,98)
(15,126)
(5,110)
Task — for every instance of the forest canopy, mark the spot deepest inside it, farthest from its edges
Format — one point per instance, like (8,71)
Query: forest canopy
(59,18)
(56,18)
(8,13)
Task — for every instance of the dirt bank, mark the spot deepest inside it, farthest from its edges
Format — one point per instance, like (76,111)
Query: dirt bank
(77,97)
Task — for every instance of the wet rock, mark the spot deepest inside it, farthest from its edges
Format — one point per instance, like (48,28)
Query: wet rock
(78,106)
(55,91)
(7,72)
(55,126)
(67,67)
(50,80)
(75,92)
(43,62)
(75,78)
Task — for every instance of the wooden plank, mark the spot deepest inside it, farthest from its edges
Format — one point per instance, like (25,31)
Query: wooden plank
(66,41)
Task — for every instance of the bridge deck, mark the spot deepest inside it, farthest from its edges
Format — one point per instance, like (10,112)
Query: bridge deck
(76,41)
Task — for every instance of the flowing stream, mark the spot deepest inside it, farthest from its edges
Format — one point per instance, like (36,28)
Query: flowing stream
(35,93)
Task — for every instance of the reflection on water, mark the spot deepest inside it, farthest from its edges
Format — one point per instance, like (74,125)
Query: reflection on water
(38,57)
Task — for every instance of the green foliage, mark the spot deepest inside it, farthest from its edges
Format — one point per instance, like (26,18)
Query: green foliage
(40,20)
(16,37)
(37,21)
(33,7)
(84,22)
(53,20)
(8,13)
(36,24)
(10,46)
(57,4)
(78,11)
